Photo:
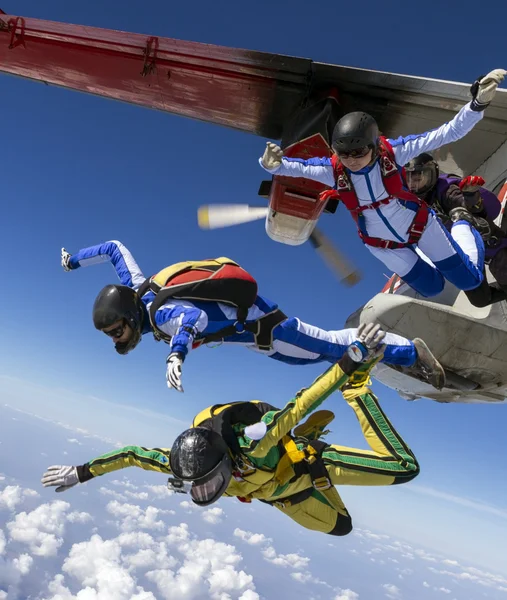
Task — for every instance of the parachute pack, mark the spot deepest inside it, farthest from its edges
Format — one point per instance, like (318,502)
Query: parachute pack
(212,280)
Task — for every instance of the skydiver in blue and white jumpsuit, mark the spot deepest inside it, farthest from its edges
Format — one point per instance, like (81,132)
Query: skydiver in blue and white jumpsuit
(458,256)
(123,315)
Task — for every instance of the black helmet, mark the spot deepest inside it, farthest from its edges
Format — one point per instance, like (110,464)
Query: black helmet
(116,302)
(422,174)
(201,455)
(353,131)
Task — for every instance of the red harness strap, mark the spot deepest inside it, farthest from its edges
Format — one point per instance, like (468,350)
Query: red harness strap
(393,184)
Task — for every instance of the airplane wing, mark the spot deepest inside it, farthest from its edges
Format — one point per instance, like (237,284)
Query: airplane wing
(255,92)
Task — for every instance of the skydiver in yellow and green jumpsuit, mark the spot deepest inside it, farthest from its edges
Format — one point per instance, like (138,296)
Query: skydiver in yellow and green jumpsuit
(252,450)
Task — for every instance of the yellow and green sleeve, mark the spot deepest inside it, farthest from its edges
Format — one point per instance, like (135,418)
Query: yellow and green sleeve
(150,459)
(281,422)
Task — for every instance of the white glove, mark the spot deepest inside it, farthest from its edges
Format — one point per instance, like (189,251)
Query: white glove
(62,476)
(372,336)
(272,157)
(66,260)
(484,89)
(173,374)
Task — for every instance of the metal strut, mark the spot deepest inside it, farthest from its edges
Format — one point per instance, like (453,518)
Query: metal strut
(150,56)
(17,39)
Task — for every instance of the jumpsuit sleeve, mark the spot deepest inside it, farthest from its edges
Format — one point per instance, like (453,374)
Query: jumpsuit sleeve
(183,322)
(149,459)
(407,148)
(390,460)
(318,169)
(492,208)
(280,422)
(127,269)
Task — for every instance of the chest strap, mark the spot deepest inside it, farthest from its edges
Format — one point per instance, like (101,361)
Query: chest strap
(415,231)
(321,482)
(261,328)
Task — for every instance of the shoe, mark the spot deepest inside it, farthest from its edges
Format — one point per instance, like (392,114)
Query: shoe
(426,367)
(314,427)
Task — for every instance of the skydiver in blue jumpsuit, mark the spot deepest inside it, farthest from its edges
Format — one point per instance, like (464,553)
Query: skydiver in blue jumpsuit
(122,315)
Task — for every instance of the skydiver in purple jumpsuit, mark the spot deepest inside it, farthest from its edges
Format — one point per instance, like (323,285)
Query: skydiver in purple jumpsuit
(453,198)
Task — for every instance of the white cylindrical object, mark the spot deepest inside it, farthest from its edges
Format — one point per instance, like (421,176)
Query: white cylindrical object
(215,216)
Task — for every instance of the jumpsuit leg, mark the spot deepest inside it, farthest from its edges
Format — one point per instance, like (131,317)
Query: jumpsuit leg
(296,342)
(421,276)
(458,255)
(486,294)
(498,268)
(390,461)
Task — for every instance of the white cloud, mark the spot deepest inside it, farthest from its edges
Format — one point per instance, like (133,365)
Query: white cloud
(189,506)
(41,529)
(96,565)
(452,563)
(425,555)
(213,515)
(346,595)
(293,560)
(12,495)
(159,491)
(254,539)
(476,576)
(133,517)
(137,495)
(426,584)
(124,483)
(12,570)
(113,493)
(79,517)
(392,591)
(208,569)
(74,441)
(443,590)
(23,563)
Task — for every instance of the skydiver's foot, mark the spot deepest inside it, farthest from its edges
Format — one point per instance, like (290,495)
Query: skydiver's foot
(315,426)
(426,367)
(462,214)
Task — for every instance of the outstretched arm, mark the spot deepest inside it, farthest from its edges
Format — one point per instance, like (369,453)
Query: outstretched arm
(483,91)
(127,269)
(407,148)
(318,169)
(150,459)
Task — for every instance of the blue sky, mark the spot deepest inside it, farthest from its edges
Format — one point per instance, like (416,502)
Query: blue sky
(79,170)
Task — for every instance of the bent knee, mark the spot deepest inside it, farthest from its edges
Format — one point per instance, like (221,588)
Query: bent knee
(343,525)
(406,477)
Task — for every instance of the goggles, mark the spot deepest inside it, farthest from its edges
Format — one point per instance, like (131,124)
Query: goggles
(356,153)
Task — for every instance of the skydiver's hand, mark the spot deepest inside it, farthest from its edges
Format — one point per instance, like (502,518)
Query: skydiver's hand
(62,476)
(371,336)
(484,88)
(367,349)
(272,157)
(173,374)
(471,184)
(66,260)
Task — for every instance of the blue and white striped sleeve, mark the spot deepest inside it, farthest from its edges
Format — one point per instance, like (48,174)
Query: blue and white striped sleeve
(182,321)
(115,252)
(407,148)
(318,169)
